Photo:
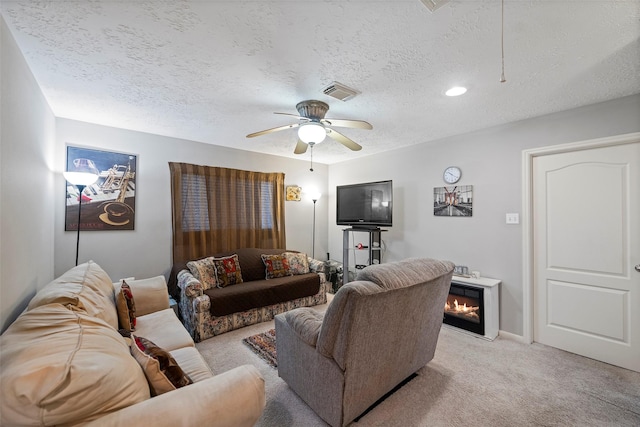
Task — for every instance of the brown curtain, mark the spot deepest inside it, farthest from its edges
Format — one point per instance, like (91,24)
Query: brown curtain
(219,209)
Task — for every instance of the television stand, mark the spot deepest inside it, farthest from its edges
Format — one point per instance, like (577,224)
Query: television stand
(374,248)
(364,228)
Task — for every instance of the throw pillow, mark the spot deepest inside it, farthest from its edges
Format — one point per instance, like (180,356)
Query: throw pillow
(298,263)
(160,368)
(205,271)
(126,307)
(275,266)
(228,270)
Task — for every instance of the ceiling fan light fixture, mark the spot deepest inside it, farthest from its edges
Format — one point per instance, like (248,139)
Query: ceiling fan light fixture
(456,91)
(312,132)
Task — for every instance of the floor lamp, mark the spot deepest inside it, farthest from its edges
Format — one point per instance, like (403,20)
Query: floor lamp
(314,197)
(81,173)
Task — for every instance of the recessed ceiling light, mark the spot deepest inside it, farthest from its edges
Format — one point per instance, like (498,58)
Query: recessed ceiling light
(456,91)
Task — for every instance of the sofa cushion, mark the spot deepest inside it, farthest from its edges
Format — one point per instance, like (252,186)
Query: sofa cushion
(262,293)
(86,287)
(165,329)
(126,307)
(298,262)
(275,266)
(150,294)
(161,369)
(205,271)
(192,363)
(228,271)
(61,365)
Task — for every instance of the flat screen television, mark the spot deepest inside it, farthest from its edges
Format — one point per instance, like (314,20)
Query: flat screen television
(366,205)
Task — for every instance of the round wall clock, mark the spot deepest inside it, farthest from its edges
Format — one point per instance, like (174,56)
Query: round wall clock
(452,174)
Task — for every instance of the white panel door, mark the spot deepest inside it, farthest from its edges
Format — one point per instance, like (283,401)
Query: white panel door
(586,216)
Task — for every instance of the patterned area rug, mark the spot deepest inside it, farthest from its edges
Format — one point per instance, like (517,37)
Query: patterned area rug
(264,345)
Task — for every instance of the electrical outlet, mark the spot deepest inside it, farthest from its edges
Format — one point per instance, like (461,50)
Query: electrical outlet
(513,218)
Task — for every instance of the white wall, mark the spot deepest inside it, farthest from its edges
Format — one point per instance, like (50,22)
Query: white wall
(26,183)
(146,251)
(490,161)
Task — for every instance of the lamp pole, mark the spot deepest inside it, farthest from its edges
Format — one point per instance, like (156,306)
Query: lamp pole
(81,188)
(315,196)
(82,172)
(313,250)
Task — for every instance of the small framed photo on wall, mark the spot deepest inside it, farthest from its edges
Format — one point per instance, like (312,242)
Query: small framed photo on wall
(110,202)
(453,201)
(294,193)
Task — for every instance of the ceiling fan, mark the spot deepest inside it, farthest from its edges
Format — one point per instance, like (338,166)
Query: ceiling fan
(314,127)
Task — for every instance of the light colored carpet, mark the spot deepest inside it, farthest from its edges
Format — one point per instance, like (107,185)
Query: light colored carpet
(469,382)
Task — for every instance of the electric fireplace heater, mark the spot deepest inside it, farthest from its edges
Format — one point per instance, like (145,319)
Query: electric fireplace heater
(473,306)
(464,308)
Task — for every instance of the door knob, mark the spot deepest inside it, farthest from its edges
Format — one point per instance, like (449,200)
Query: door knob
(638,268)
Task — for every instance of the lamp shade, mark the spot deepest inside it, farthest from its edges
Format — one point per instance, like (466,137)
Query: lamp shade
(312,132)
(315,196)
(82,172)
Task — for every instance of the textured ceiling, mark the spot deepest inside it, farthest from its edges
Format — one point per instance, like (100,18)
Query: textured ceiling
(214,71)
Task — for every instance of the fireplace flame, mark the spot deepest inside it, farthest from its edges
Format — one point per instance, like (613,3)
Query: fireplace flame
(462,310)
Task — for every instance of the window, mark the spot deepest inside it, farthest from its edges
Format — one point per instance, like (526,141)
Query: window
(195,215)
(220,209)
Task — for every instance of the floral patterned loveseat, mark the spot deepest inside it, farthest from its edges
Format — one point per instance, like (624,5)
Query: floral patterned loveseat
(239,288)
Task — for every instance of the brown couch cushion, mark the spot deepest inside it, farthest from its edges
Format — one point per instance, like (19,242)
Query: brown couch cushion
(251,262)
(261,293)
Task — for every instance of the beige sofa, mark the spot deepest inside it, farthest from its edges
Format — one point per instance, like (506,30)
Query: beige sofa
(376,332)
(64,362)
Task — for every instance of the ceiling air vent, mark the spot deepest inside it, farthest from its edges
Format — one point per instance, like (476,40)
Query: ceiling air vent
(432,5)
(340,91)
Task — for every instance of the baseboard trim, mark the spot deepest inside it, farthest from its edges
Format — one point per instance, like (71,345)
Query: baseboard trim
(512,337)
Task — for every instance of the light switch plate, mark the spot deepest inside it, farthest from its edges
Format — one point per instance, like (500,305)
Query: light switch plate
(513,218)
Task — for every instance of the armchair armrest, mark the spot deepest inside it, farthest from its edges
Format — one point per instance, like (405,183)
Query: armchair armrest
(150,295)
(306,323)
(235,398)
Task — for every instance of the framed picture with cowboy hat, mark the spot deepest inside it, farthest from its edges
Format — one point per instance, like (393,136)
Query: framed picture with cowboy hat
(109,203)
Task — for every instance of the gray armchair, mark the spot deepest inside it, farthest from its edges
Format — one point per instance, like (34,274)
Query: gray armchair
(376,332)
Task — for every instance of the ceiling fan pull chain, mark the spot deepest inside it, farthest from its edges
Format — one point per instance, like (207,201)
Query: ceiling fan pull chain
(502,78)
(311,146)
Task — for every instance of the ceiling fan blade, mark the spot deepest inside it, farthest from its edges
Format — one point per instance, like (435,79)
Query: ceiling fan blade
(357,124)
(343,140)
(301,147)
(292,115)
(266,131)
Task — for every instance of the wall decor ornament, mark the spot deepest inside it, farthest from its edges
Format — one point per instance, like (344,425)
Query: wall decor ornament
(453,201)
(294,193)
(109,203)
